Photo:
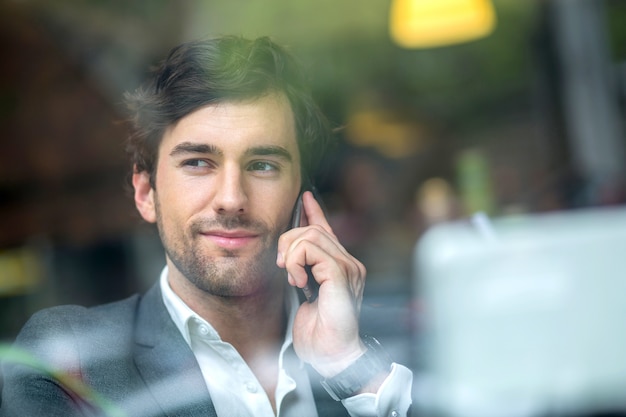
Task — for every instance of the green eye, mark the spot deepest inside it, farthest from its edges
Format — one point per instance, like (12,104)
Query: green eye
(262,166)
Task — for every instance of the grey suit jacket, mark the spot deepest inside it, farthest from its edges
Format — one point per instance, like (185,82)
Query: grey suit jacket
(125,358)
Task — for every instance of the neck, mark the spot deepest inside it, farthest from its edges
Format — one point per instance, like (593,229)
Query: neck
(250,323)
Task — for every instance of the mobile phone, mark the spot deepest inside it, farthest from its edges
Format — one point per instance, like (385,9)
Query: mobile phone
(311,289)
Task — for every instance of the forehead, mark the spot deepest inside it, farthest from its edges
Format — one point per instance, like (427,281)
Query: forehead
(267,120)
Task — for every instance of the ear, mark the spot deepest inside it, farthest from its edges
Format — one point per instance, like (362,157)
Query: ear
(144,196)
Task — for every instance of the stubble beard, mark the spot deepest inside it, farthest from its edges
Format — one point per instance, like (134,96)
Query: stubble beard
(225,274)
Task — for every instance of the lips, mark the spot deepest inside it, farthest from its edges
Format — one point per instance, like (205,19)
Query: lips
(230,239)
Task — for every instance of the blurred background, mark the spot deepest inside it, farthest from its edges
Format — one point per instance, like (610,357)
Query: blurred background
(522,113)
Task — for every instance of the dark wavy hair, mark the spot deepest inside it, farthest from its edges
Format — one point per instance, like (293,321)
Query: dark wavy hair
(202,72)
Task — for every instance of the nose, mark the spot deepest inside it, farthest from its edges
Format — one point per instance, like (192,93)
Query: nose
(230,194)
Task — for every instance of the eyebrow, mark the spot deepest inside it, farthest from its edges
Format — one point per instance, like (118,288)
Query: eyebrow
(271,150)
(202,148)
(190,147)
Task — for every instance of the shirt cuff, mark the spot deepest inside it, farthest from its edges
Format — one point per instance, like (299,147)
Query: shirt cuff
(393,398)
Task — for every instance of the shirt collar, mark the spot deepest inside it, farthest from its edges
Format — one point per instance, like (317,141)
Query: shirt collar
(182,314)
(179,311)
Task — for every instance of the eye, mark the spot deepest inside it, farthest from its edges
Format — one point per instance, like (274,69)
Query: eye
(196,163)
(263,166)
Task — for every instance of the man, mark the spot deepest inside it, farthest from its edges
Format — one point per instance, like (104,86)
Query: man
(226,137)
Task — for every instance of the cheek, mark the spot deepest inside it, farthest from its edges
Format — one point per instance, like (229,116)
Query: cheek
(288,207)
(274,207)
(179,196)
(176,207)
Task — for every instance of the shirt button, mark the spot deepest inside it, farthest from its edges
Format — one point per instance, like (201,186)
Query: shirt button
(251,387)
(394,413)
(204,330)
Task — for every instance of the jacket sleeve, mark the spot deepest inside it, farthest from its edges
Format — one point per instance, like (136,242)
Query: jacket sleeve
(41,370)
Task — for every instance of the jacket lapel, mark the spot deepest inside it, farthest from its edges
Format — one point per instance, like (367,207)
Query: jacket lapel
(167,364)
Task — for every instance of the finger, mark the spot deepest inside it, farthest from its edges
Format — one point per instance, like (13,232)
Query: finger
(314,212)
(316,235)
(284,242)
(325,257)
(303,254)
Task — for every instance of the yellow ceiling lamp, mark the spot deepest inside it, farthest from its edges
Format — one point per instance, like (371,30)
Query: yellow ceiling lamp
(434,23)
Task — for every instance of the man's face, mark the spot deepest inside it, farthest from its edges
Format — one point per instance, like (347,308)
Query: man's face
(227,178)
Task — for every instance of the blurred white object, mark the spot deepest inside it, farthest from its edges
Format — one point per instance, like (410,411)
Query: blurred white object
(528,321)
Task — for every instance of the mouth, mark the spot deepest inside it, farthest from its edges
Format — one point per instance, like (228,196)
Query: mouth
(230,239)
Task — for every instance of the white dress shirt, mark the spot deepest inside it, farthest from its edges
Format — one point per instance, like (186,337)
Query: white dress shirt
(235,391)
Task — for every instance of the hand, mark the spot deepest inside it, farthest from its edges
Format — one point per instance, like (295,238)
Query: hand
(326,332)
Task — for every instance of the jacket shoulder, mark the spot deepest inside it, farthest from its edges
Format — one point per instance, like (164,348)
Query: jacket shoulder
(57,331)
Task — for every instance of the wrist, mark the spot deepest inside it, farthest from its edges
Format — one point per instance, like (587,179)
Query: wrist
(365,374)
(332,366)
